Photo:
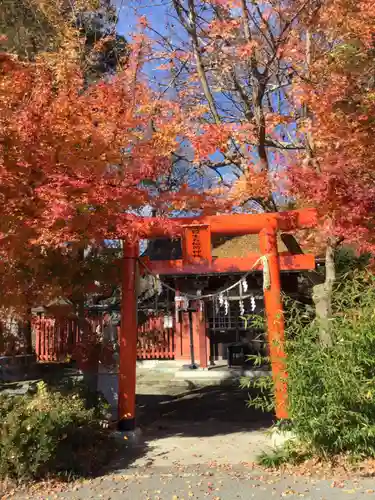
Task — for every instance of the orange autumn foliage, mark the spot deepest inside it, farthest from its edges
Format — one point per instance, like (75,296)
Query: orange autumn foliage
(76,164)
(73,159)
(339,93)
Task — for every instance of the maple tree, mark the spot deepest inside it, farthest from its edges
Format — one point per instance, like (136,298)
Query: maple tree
(79,160)
(224,63)
(237,69)
(335,88)
(75,161)
(278,100)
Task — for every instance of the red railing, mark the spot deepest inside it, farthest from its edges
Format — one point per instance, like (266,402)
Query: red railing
(155,341)
(57,338)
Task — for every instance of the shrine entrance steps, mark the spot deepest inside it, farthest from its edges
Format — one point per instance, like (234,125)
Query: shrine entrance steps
(180,372)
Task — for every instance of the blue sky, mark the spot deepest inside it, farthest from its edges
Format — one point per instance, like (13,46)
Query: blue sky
(130,10)
(156,13)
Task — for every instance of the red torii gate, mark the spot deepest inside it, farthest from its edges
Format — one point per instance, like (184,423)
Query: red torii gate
(196,234)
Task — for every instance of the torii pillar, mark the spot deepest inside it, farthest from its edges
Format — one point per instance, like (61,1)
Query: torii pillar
(275,320)
(128,338)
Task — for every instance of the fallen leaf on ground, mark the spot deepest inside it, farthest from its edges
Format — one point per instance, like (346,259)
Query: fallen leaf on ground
(287,493)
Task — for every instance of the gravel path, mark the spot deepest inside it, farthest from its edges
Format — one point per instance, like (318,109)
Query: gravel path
(202,483)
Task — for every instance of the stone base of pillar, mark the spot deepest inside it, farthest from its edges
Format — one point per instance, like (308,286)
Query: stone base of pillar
(126,424)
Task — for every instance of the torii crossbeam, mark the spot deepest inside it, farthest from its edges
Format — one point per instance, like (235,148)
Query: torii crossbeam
(196,234)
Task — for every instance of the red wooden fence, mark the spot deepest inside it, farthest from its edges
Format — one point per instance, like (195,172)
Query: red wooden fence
(56,338)
(155,341)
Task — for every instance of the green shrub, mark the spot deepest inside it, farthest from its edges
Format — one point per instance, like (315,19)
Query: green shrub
(332,389)
(47,433)
(290,453)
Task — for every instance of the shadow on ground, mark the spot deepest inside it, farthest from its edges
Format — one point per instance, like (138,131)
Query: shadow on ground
(207,423)
(224,406)
(215,411)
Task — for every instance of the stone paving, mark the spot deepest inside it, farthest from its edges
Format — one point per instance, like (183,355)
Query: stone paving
(198,484)
(200,443)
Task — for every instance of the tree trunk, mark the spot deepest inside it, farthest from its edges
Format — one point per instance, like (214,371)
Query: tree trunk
(322,297)
(28,333)
(322,292)
(90,364)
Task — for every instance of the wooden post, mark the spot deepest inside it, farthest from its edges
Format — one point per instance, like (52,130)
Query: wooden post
(275,319)
(185,336)
(128,339)
(178,338)
(179,325)
(200,325)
